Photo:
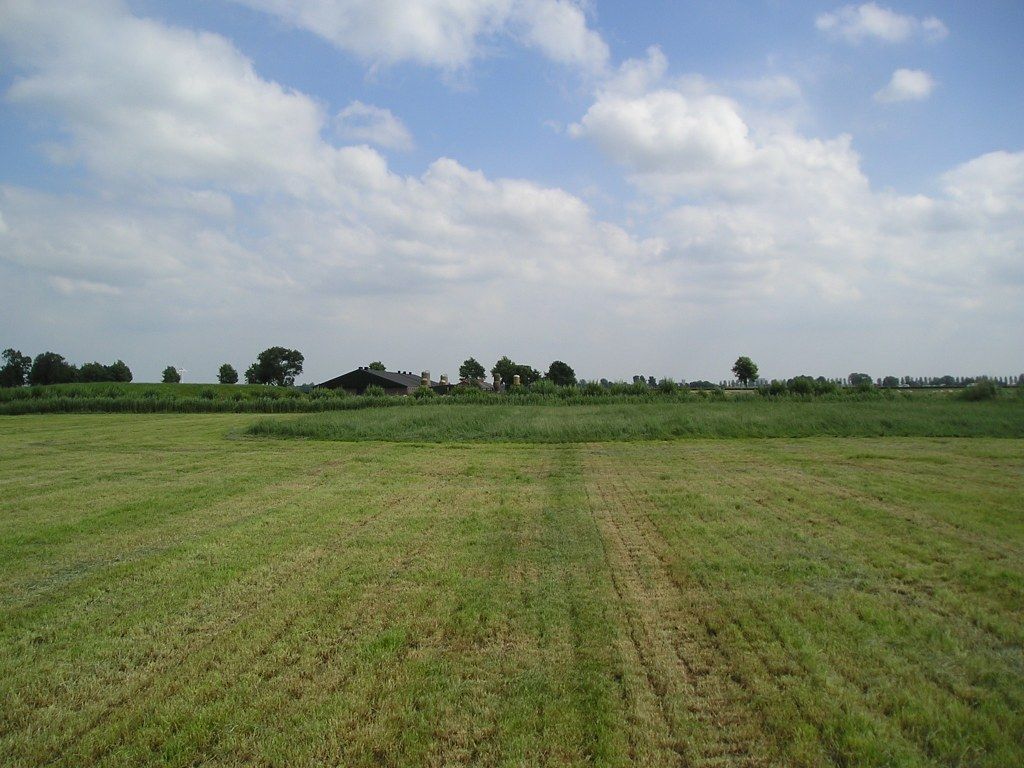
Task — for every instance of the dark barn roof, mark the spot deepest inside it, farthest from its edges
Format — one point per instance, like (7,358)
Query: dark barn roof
(361,378)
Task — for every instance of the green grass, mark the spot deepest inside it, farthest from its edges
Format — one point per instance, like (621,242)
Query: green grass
(231,398)
(750,417)
(172,596)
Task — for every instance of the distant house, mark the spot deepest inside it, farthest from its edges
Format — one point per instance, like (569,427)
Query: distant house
(392,382)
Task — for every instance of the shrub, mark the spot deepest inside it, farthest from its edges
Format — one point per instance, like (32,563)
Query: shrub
(424,392)
(801,385)
(638,387)
(543,387)
(374,391)
(984,389)
(667,387)
(592,389)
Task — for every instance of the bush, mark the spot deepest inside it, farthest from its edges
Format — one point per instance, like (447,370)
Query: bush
(801,385)
(424,392)
(374,391)
(667,387)
(543,387)
(984,389)
(593,389)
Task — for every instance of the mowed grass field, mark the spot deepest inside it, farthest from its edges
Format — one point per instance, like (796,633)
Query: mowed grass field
(173,592)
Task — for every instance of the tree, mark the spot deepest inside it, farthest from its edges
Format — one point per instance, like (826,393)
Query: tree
(890,382)
(506,370)
(51,368)
(376,365)
(745,370)
(856,379)
(171,375)
(16,368)
(277,366)
(119,371)
(90,372)
(471,370)
(227,374)
(561,374)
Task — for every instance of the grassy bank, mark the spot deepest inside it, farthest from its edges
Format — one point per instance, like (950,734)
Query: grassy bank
(172,597)
(749,417)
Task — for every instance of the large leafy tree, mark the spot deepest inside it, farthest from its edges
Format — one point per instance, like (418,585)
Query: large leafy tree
(14,372)
(51,368)
(376,365)
(227,374)
(745,370)
(276,365)
(857,379)
(561,374)
(90,372)
(171,375)
(471,369)
(506,370)
(118,371)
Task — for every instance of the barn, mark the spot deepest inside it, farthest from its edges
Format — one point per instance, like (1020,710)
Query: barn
(392,382)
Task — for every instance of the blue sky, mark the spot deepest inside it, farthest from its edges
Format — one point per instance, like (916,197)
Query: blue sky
(642,187)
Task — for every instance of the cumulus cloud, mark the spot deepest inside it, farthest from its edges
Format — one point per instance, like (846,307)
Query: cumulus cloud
(183,132)
(870,21)
(444,33)
(907,85)
(213,196)
(758,208)
(374,125)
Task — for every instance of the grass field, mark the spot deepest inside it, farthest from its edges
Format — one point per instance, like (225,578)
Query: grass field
(923,416)
(172,592)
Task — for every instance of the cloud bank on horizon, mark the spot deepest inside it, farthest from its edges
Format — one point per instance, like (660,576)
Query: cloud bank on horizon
(175,192)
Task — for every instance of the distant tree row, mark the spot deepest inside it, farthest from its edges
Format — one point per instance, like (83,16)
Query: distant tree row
(277,366)
(505,370)
(51,368)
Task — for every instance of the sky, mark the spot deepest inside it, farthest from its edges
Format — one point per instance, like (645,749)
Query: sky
(634,187)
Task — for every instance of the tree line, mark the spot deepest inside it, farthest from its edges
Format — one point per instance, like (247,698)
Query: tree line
(277,366)
(51,368)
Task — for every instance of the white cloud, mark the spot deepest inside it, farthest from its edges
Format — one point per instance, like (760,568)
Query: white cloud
(855,23)
(558,28)
(148,107)
(374,125)
(213,200)
(444,33)
(760,210)
(907,85)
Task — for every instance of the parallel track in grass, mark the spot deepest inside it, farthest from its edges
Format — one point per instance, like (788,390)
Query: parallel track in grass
(173,594)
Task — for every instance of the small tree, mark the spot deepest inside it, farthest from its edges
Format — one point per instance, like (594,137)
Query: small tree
(471,370)
(16,368)
(171,375)
(227,374)
(276,365)
(561,374)
(376,365)
(51,368)
(745,370)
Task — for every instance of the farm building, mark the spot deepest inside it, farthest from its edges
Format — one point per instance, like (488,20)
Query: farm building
(392,382)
